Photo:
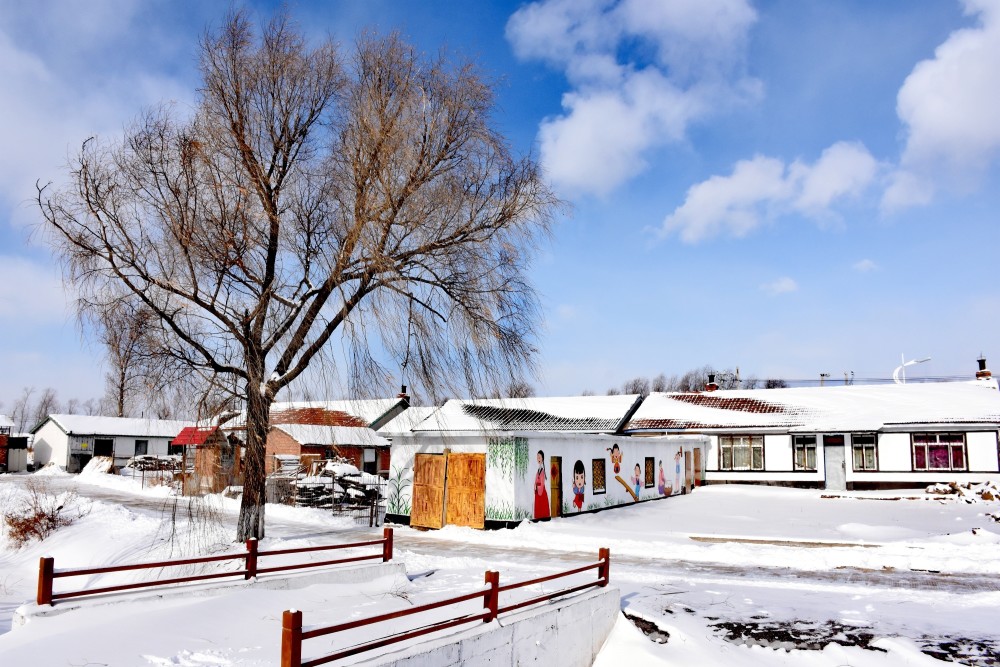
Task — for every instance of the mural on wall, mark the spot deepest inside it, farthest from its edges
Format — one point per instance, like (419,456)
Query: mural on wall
(399,498)
(541,491)
(579,484)
(616,457)
(678,472)
(661,482)
(507,456)
(636,480)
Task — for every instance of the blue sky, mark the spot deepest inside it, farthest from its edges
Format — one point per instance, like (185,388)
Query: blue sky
(793,188)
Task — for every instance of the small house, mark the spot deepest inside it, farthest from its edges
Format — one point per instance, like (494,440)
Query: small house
(70,441)
(210,461)
(501,461)
(838,437)
(13,449)
(304,432)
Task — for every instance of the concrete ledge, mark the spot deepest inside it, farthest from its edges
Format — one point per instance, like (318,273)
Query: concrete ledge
(568,632)
(272,581)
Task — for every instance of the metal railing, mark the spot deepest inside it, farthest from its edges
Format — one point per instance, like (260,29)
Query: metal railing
(47,572)
(292,634)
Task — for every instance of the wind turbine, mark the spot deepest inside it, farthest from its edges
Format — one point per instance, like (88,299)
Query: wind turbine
(901,369)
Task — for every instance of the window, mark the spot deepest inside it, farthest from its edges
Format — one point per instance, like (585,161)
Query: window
(141,447)
(173,449)
(741,452)
(597,476)
(939,451)
(805,451)
(864,446)
(369,464)
(650,472)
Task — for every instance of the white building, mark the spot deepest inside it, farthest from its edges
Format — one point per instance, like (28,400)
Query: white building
(505,460)
(837,437)
(71,441)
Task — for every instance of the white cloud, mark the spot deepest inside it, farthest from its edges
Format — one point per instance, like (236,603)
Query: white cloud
(782,285)
(949,105)
(624,101)
(865,265)
(763,187)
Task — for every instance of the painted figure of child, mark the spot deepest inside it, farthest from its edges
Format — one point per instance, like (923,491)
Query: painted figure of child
(661,482)
(579,484)
(637,479)
(678,457)
(616,458)
(541,490)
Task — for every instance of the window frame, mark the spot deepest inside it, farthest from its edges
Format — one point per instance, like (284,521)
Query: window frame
(754,445)
(805,446)
(961,447)
(864,446)
(596,490)
(649,472)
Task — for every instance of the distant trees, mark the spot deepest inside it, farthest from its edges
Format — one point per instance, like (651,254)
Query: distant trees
(692,380)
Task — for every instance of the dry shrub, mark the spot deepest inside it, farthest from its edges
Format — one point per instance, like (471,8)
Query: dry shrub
(38,514)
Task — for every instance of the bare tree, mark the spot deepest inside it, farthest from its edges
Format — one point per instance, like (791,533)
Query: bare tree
(125,328)
(614,391)
(520,389)
(637,385)
(46,404)
(305,203)
(22,411)
(774,383)
(587,392)
(661,383)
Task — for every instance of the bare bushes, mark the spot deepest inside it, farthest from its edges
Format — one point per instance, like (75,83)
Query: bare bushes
(37,514)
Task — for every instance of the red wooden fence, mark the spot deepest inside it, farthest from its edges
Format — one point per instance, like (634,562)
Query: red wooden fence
(292,634)
(47,572)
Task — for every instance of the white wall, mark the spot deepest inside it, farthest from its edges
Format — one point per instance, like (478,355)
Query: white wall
(893,453)
(510,475)
(983,451)
(51,444)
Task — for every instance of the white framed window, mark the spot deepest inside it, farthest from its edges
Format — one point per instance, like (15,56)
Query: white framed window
(741,452)
(141,447)
(368,461)
(804,447)
(865,451)
(939,451)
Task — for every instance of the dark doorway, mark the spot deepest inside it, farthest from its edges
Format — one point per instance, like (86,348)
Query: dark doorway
(104,447)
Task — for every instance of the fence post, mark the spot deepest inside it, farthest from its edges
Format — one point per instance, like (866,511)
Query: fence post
(491,599)
(604,571)
(291,638)
(46,568)
(251,558)
(387,545)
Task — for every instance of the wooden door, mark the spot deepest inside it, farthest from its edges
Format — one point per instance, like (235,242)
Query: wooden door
(429,474)
(465,500)
(555,488)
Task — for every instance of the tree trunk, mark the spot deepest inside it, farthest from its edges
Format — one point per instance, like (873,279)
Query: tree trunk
(251,520)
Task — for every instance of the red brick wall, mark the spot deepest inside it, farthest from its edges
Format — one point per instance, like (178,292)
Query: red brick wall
(279,442)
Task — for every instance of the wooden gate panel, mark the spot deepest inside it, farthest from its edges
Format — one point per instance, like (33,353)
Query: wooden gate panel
(427,507)
(466,497)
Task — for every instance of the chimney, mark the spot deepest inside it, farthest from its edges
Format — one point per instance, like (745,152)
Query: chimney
(403,395)
(711,386)
(983,373)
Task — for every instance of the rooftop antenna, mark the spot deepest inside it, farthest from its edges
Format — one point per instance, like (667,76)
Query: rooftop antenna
(899,375)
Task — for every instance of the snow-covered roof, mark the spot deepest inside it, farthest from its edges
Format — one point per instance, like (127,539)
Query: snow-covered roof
(406,420)
(124,426)
(333,413)
(586,414)
(307,434)
(837,408)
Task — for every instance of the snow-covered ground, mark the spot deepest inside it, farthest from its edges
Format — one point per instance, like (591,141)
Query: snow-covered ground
(735,575)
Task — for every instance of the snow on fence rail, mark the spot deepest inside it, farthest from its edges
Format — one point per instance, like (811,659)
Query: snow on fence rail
(292,634)
(47,572)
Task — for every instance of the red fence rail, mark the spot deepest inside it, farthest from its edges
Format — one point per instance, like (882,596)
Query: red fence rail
(292,634)
(47,572)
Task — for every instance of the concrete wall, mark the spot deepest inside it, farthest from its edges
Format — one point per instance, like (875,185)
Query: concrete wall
(568,633)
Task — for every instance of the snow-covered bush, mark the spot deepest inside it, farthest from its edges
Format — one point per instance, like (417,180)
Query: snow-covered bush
(37,513)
